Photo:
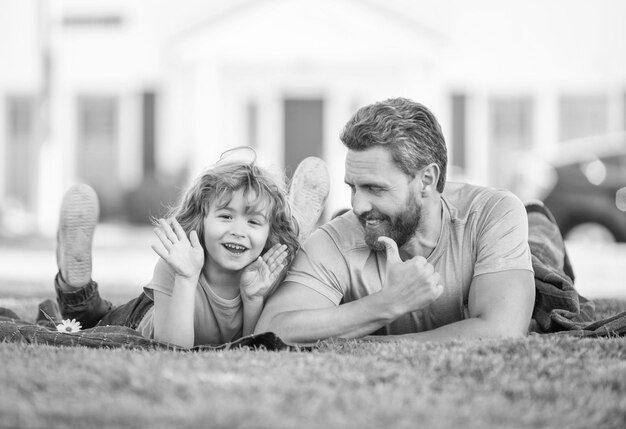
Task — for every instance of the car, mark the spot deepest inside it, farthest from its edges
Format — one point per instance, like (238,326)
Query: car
(588,198)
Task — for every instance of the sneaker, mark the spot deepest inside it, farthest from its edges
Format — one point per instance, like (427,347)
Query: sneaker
(77,222)
(307,194)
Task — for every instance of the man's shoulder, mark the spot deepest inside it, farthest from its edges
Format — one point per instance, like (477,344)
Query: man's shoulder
(465,199)
(345,231)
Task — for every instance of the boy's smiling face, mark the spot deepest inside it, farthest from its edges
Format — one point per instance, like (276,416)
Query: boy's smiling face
(235,233)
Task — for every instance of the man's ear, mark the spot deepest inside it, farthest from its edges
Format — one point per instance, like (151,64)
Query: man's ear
(429,178)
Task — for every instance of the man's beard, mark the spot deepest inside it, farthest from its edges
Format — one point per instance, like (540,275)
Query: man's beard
(400,229)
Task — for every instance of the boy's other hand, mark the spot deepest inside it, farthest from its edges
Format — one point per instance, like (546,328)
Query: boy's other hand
(260,277)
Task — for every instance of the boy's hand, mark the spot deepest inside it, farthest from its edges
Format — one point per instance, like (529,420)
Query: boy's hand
(261,276)
(185,256)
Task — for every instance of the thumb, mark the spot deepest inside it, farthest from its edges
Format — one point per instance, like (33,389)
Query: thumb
(391,248)
(194,240)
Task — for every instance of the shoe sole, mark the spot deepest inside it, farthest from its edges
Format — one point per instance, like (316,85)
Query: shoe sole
(77,223)
(308,193)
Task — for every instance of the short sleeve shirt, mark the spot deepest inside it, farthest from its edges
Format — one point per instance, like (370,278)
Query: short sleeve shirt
(216,320)
(483,230)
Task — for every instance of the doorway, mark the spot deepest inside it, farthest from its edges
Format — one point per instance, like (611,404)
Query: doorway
(304,130)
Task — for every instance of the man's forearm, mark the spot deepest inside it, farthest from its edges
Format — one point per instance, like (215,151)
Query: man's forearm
(352,320)
(468,329)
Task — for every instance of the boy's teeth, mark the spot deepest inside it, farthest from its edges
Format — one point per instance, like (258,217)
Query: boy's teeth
(235,247)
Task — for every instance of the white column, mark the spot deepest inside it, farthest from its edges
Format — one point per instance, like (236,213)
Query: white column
(616,109)
(3,144)
(270,124)
(477,143)
(546,121)
(338,105)
(130,144)
(207,100)
(57,159)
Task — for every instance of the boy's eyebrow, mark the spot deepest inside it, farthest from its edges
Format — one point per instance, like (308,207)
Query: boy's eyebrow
(255,211)
(224,207)
(250,210)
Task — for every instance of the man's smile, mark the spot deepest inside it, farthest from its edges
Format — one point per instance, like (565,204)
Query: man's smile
(371,220)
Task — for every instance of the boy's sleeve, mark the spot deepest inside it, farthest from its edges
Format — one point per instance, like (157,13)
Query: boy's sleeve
(502,236)
(162,280)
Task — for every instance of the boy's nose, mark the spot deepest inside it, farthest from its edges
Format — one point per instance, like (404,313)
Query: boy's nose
(237,228)
(237,234)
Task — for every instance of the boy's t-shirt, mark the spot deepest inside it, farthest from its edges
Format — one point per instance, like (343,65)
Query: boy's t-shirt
(483,230)
(216,320)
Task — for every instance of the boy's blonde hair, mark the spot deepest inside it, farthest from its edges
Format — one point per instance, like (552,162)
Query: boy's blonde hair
(218,184)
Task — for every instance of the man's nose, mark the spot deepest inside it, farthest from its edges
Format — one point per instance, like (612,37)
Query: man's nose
(360,203)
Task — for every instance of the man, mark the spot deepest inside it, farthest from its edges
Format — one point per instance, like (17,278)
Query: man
(416,256)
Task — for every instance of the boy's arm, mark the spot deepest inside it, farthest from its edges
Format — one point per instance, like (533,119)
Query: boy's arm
(174,315)
(257,281)
(252,309)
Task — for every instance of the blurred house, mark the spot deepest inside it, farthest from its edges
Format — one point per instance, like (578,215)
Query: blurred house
(135,96)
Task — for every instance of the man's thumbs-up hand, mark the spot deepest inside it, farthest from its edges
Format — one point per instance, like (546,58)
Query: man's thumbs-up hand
(409,285)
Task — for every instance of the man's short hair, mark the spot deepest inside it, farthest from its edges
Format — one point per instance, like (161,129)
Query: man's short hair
(408,129)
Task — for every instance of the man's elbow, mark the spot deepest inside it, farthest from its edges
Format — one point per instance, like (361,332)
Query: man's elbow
(509,331)
(513,334)
(283,326)
(269,322)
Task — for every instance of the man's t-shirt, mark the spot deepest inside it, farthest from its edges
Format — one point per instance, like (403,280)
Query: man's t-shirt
(483,230)
(216,320)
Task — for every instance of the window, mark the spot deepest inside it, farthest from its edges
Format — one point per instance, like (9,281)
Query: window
(303,130)
(581,116)
(92,21)
(149,135)
(97,149)
(459,131)
(511,136)
(21,156)
(511,123)
(252,119)
(97,119)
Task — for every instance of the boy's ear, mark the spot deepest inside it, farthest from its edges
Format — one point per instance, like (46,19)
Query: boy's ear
(429,176)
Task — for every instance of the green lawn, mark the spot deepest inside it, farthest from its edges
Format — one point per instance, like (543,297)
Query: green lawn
(537,382)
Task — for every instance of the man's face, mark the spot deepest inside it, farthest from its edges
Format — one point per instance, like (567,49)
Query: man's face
(383,197)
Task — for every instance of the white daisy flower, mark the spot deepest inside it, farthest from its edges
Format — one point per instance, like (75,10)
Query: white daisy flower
(69,326)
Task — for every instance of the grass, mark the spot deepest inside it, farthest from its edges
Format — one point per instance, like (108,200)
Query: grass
(539,381)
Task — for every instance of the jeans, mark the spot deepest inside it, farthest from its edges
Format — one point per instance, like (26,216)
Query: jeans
(87,307)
